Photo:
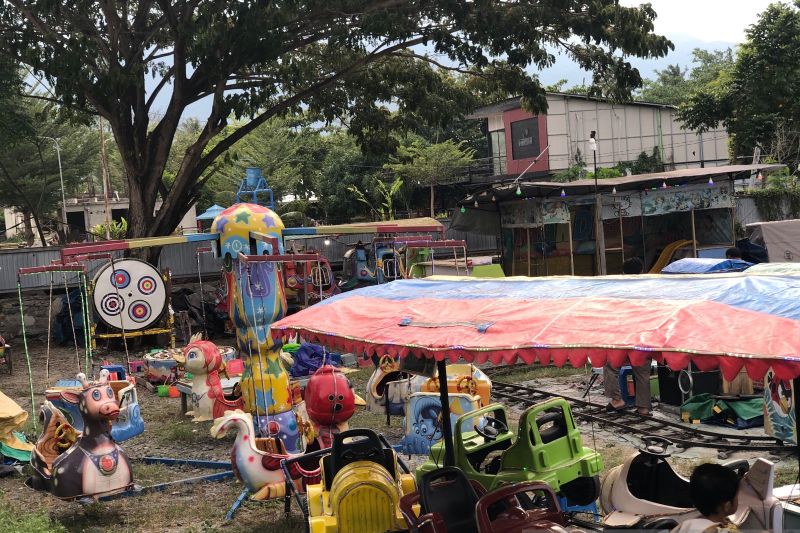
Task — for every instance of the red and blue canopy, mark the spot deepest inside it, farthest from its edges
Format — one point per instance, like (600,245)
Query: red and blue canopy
(729,321)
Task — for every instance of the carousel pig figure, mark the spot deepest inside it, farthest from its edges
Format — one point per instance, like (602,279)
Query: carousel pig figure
(91,466)
(204,360)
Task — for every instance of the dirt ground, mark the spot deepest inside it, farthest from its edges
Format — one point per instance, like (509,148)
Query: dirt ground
(202,507)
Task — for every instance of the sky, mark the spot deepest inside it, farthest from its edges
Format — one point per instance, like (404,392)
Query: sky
(705,20)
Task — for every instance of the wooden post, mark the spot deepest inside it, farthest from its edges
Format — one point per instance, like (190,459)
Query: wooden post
(571,252)
(528,234)
(694,236)
(599,238)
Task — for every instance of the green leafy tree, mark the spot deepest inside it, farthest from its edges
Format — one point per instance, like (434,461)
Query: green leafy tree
(669,87)
(386,195)
(29,170)
(675,85)
(758,99)
(254,60)
(430,165)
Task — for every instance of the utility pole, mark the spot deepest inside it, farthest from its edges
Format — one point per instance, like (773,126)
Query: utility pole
(103,163)
(599,239)
(65,226)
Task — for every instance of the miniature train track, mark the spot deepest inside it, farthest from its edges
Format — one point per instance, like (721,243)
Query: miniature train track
(630,422)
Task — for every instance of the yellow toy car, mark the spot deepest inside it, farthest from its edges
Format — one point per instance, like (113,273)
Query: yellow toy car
(361,487)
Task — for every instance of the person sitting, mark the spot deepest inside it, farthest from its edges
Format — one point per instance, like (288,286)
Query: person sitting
(733,253)
(633,265)
(714,491)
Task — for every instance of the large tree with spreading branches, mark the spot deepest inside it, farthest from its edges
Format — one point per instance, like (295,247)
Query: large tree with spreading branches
(348,60)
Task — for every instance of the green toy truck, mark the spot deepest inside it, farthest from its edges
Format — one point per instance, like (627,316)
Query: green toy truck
(548,447)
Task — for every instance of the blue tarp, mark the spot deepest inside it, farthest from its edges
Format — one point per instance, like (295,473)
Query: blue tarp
(308,359)
(691,265)
(775,295)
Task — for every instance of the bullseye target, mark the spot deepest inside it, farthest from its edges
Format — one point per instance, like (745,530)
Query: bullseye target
(147,285)
(112,304)
(139,311)
(130,296)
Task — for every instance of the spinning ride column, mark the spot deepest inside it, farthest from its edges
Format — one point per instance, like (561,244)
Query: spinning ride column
(256,299)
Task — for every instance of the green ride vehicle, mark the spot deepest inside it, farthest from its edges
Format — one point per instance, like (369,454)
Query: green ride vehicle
(548,447)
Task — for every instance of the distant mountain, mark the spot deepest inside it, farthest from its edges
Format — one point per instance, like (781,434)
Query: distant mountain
(682,55)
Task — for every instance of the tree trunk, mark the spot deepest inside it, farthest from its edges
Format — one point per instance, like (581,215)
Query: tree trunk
(433,207)
(26,224)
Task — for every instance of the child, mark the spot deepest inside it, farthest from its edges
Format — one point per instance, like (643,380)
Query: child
(714,490)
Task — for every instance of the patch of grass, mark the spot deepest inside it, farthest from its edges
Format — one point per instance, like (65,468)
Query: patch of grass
(535,371)
(613,455)
(38,522)
(785,476)
(151,474)
(182,432)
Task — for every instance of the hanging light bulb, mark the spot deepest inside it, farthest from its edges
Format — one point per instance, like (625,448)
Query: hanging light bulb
(463,210)
(493,198)
(563,193)
(710,181)
(476,204)
(664,184)
(760,176)
(519,191)
(327,242)
(614,190)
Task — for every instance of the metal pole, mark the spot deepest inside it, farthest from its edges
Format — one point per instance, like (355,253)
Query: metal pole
(795,388)
(694,236)
(444,398)
(571,251)
(61,178)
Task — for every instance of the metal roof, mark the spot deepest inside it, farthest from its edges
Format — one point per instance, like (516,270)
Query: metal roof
(515,102)
(543,189)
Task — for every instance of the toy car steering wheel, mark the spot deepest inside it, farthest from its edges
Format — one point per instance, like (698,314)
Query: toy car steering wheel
(656,446)
(432,385)
(492,429)
(467,384)
(386,363)
(62,436)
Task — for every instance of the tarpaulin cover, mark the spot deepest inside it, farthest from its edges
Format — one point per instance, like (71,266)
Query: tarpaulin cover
(740,413)
(705,265)
(728,321)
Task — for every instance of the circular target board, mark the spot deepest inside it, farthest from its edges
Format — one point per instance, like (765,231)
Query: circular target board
(129,295)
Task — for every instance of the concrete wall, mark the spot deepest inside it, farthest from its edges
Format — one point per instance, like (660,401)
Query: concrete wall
(623,132)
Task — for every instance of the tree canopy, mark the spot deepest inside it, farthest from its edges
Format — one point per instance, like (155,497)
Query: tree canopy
(342,59)
(29,170)
(675,85)
(758,99)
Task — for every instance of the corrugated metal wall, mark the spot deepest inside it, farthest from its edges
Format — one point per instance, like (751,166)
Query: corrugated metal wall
(181,259)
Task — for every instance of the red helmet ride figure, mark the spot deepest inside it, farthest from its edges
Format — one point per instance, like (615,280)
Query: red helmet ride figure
(329,397)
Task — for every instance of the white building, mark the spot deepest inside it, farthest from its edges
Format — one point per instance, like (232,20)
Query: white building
(623,131)
(87,212)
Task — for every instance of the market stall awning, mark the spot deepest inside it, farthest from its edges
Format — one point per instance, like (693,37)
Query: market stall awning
(729,321)
(524,188)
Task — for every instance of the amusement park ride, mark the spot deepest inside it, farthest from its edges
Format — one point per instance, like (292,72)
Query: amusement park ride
(297,444)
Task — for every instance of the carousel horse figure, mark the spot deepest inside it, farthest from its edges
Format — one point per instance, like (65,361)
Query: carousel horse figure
(86,465)
(204,360)
(329,404)
(256,299)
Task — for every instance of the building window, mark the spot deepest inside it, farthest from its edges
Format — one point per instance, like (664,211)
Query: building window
(497,144)
(525,139)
